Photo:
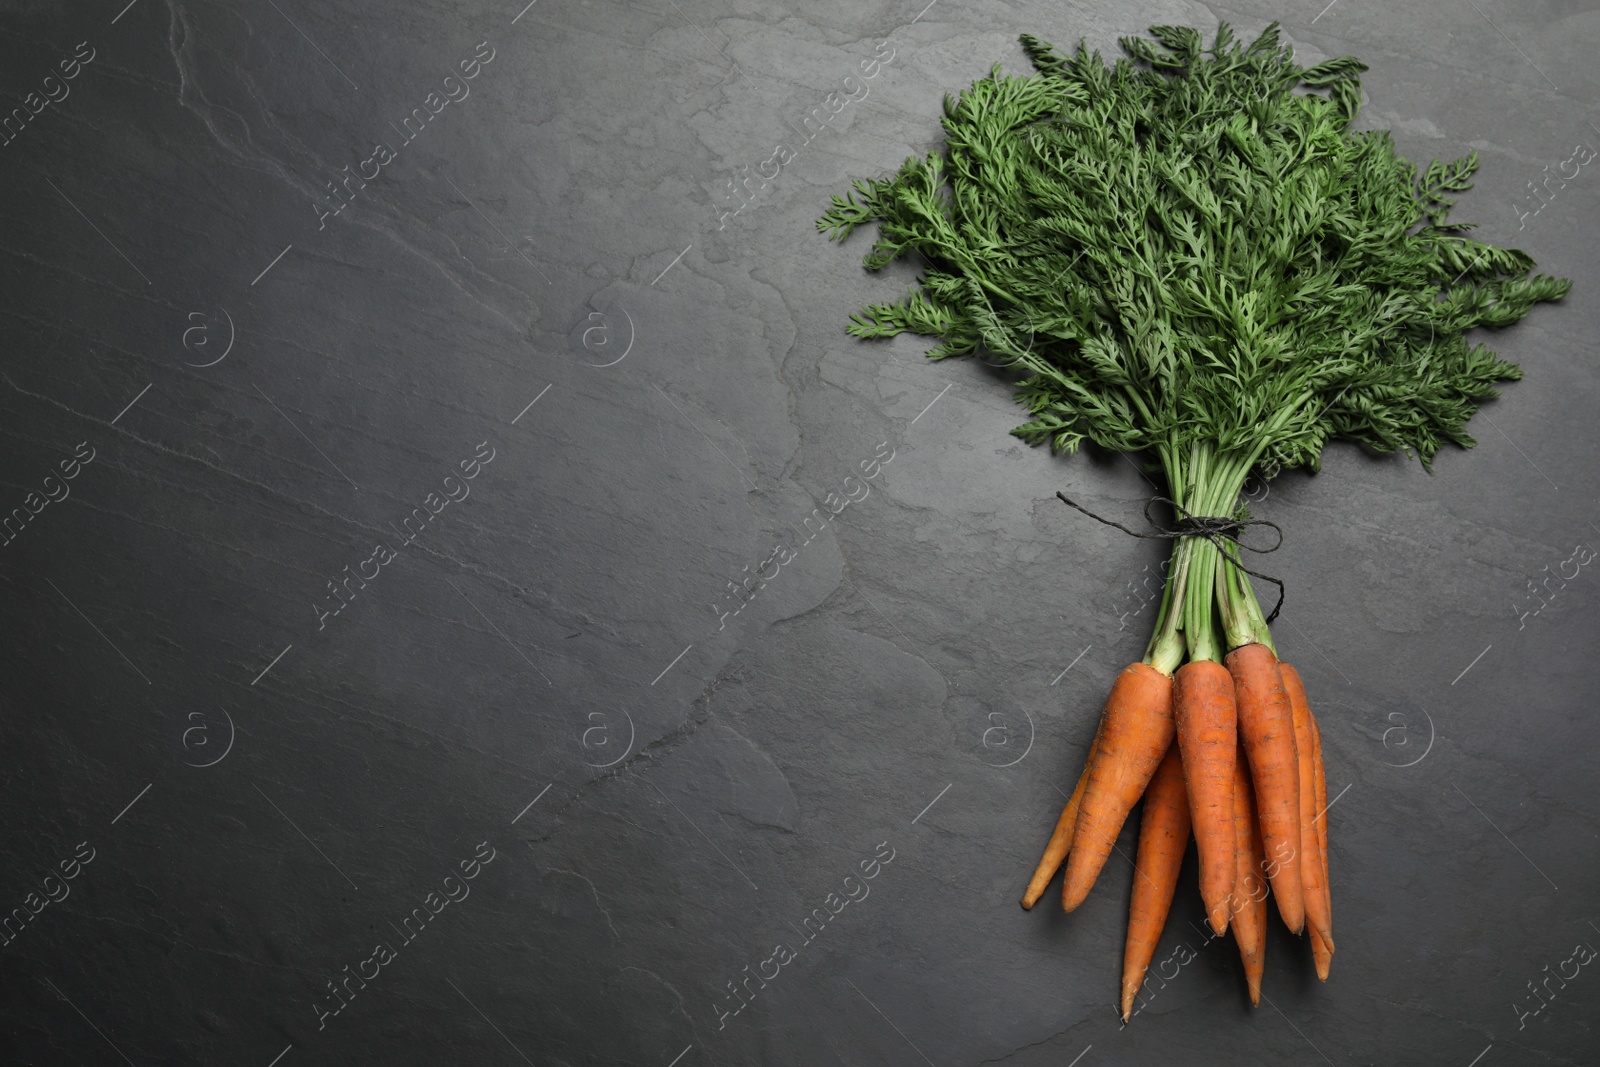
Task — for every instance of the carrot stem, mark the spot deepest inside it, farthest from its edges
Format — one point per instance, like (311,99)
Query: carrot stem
(1241,611)
(1210,484)
(1166,648)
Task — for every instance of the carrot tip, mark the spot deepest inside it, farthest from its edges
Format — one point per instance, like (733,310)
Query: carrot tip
(1255,995)
(1321,952)
(1219,918)
(1027,904)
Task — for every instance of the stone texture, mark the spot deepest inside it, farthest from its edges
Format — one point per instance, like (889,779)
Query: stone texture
(551,673)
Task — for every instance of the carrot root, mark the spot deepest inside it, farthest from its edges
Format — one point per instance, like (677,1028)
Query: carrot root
(1266,726)
(1205,717)
(1249,898)
(1319,786)
(1163,839)
(1061,837)
(1135,732)
(1313,888)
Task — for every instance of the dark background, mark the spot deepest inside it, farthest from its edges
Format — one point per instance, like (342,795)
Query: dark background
(543,669)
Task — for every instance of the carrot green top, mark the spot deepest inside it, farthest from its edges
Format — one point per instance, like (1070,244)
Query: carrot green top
(1190,251)
(1182,246)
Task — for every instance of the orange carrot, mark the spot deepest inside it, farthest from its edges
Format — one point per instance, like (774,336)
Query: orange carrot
(1249,899)
(1319,784)
(1321,950)
(1322,829)
(1163,839)
(1266,726)
(1061,837)
(1314,889)
(1135,732)
(1204,716)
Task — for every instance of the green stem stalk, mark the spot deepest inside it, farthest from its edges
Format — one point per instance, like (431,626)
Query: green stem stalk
(1212,623)
(1166,648)
(1208,606)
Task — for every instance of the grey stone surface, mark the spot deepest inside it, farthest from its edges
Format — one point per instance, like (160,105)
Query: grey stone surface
(544,675)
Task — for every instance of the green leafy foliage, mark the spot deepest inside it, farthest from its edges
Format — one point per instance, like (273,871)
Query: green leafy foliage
(1193,245)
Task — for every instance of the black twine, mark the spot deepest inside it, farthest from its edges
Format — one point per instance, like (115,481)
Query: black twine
(1212,527)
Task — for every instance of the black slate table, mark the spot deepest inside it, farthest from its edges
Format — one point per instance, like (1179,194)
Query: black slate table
(471,603)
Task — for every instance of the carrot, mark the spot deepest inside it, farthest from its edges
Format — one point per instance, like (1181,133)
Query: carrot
(1266,726)
(1061,837)
(1320,792)
(1321,949)
(1249,898)
(1135,732)
(1319,785)
(1204,716)
(1163,839)
(1314,887)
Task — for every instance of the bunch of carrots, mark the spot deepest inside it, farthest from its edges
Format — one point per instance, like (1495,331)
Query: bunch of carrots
(1223,747)
(1192,255)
